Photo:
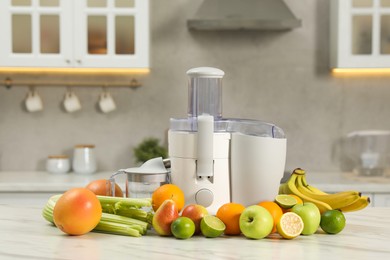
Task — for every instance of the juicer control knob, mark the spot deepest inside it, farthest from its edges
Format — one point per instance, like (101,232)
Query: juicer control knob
(204,197)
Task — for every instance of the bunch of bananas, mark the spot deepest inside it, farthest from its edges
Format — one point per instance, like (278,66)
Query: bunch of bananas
(345,201)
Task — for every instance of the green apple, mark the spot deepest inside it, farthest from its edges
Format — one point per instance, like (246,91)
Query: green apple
(310,215)
(256,222)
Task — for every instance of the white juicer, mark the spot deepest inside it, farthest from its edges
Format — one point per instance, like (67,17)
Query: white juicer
(216,160)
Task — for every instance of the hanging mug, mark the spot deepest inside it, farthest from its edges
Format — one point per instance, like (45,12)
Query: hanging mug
(33,101)
(71,102)
(106,102)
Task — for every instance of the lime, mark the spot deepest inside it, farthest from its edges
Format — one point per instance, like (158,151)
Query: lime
(183,228)
(285,201)
(290,225)
(211,226)
(332,221)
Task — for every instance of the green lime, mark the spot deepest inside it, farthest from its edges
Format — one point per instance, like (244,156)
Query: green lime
(332,221)
(211,226)
(285,201)
(183,228)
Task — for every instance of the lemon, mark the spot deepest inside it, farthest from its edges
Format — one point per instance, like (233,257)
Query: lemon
(290,225)
(332,221)
(285,201)
(211,226)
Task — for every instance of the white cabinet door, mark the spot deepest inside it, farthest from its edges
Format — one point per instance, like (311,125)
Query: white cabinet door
(35,33)
(360,33)
(74,33)
(111,33)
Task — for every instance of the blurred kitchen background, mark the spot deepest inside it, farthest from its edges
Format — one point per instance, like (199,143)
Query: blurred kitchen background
(281,77)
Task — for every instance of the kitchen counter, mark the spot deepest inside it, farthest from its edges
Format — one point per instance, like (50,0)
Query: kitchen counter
(42,181)
(26,235)
(34,188)
(339,181)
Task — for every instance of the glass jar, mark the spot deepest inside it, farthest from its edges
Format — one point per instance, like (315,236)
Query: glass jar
(84,159)
(58,164)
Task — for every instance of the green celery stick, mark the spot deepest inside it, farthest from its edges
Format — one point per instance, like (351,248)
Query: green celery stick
(135,202)
(116,228)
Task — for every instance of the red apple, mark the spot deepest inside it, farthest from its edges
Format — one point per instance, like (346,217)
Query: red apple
(195,212)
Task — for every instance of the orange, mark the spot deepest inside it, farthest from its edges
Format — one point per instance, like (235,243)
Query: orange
(77,211)
(275,210)
(165,192)
(299,200)
(230,214)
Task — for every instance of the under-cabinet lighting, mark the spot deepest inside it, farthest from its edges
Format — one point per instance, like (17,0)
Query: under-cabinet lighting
(101,71)
(338,72)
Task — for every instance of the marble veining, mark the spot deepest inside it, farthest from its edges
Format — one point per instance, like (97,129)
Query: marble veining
(26,235)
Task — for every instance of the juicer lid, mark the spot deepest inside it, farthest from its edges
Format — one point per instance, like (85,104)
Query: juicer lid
(152,171)
(152,166)
(231,125)
(205,72)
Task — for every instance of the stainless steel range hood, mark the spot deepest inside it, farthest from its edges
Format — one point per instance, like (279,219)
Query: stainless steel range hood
(244,15)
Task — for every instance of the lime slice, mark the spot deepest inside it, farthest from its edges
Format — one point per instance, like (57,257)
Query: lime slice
(285,201)
(290,225)
(211,226)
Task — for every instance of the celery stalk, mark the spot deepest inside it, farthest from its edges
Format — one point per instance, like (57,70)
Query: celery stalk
(109,223)
(130,202)
(131,213)
(116,228)
(124,220)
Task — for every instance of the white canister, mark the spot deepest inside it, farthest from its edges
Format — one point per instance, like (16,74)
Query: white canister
(84,159)
(58,164)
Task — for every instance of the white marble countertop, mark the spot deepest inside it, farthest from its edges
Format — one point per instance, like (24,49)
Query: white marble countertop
(42,181)
(26,235)
(52,183)
(340,181)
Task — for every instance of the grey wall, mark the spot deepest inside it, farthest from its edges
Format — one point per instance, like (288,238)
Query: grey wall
(280,77)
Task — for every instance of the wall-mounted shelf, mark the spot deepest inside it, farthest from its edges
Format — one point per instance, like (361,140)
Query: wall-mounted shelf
(9,83)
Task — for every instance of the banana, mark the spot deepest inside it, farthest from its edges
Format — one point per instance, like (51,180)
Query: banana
(361,203)
(316,190)
(335,200)
(312,188)
(282,188)
(345,201)
(292,189)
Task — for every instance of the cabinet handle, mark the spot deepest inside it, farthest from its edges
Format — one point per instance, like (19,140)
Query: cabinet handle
(67,61)
(78,61)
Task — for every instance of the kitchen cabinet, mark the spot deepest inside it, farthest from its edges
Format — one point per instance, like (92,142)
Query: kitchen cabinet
(74,33)
(360,34)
